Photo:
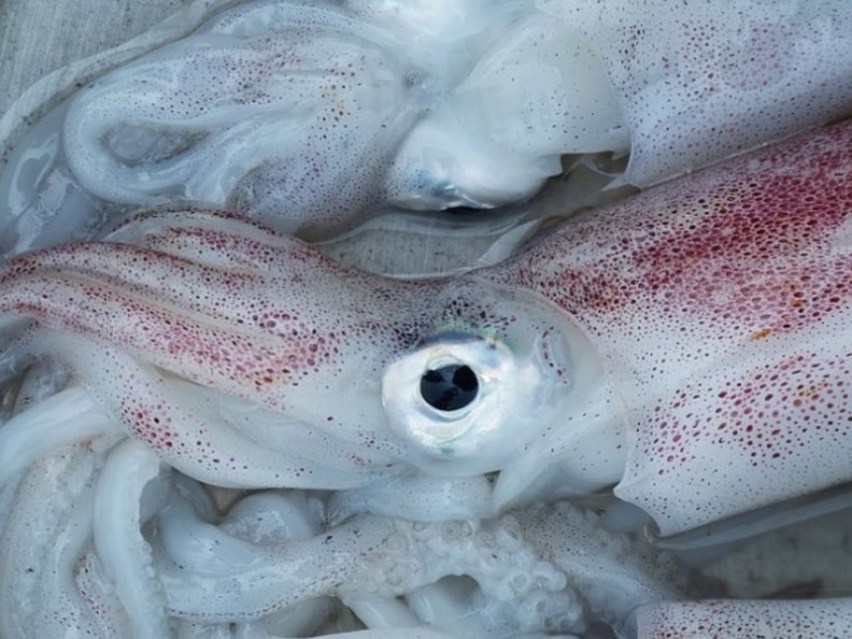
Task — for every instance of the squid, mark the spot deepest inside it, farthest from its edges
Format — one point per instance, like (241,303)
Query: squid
(313,116)
(156,559)
(687,346)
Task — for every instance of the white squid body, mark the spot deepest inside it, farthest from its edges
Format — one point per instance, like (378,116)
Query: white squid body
(689,344)
(308,114)
(720,305)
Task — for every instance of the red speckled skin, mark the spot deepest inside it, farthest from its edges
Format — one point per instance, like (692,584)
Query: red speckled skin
(722,304)
(232,307)
(284,348)
(718,303)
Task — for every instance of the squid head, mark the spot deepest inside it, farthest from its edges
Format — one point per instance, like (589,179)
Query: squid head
(249,359)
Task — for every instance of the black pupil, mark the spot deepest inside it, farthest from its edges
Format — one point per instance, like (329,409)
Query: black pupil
(450,387)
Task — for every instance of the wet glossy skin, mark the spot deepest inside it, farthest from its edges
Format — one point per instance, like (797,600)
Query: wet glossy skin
(723,295)
(670,336)
(315,116)
(261,317)
(720,303)
(687,345)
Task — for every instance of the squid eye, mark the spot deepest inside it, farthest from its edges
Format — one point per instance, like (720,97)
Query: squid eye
(449,388)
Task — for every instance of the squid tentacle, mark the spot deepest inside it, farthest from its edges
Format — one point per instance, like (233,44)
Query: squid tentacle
(197,235)
(187,428)
(35,529)
(69,416)
(99,593)
(417,498)
(118,513)
(615,573)
(716,310)
(269,578)
(63,602)
(296,73)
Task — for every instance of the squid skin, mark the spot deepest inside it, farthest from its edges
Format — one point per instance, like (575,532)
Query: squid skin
(225,349)
(277,327)
(536,79)
(700,327)
(47,584)
(721,306)
(313,116)
(746,619)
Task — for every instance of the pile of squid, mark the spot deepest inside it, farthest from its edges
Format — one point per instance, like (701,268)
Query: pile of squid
(210,429)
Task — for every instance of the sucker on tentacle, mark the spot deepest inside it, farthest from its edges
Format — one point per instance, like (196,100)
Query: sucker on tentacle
(518,563)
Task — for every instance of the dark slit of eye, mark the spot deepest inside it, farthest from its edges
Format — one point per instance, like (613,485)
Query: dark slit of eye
(449,388)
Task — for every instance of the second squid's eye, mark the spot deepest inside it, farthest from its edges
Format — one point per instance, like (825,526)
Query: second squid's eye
(449,388)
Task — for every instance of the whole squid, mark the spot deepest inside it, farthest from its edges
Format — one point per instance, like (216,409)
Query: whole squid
(688,345)
(313,115)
